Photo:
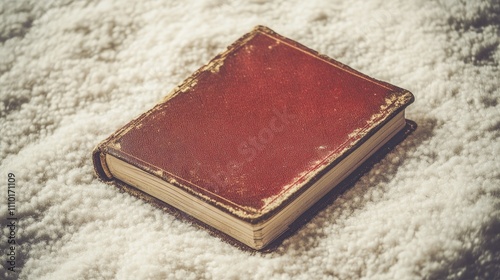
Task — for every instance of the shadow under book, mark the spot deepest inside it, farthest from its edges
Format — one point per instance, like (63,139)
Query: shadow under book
(252,140)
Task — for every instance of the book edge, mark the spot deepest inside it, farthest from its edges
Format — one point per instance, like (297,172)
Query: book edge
(302,220)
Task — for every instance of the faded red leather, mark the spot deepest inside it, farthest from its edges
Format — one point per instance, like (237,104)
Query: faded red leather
(254,125)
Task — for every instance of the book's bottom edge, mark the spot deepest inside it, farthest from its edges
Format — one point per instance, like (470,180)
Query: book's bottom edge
(303,219)
(178,214)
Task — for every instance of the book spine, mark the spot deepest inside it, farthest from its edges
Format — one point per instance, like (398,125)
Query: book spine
(100,166)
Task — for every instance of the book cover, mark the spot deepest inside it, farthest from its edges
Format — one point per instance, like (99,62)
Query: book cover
(256,127)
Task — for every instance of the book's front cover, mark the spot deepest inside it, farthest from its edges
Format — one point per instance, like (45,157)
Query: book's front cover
(248,131)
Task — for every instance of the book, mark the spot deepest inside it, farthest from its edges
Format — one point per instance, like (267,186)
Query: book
(253,139)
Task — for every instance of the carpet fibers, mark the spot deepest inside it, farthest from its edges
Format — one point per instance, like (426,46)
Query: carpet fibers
(72,72)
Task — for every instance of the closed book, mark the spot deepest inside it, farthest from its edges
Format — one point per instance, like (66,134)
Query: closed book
(256,137)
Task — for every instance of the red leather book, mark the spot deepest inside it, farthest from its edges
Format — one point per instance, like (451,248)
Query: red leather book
(254,138)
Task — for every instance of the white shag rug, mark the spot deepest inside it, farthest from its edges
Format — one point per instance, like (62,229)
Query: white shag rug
(72,72)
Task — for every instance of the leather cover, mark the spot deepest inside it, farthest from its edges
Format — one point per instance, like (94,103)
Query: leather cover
(256,126)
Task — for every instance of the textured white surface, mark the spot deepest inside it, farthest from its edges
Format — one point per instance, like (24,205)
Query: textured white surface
(72,72)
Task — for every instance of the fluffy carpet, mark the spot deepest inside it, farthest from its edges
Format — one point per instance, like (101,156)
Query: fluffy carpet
(72,72)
